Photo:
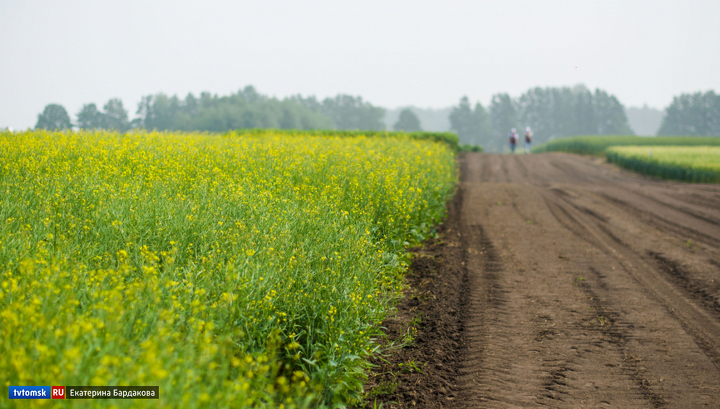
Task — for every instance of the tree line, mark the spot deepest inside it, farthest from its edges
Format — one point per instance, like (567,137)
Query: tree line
(695,114)
(245,109)
(552,112)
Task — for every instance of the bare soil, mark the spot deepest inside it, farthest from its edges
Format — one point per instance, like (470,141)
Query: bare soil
(561,281)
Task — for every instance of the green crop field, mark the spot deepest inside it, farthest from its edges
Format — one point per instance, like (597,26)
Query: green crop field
(691,164)
(250,269)
(596,145)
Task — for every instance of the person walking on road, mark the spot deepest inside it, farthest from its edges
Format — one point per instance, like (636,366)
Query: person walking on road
(528,139)
(513,140)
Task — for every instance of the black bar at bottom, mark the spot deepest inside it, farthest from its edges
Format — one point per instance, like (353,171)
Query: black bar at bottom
(112,392)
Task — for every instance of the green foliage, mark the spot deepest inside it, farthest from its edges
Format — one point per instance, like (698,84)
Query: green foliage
(471,125)
(115,117)
(597,144)
(352,113)
(555,112)
(562,112)
(470,148)
(245,109)
(445,137)
(248,109)
(237,270)
(692,114)
(431,119)
(90,118)
(503,117)
(407,121)
(54,117)
(699,164)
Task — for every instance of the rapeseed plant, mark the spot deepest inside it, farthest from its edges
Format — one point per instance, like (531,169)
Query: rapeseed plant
(232,271)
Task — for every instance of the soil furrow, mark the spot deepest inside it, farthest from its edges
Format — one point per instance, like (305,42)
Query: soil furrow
(663,223)
(562,281)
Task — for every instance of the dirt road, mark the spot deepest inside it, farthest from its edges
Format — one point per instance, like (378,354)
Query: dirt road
(563,281)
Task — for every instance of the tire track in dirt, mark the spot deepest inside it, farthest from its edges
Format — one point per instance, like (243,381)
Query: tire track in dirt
(481,293)
(663,223)
(615,333)
(698,323)
(699,291)
(690,212)
(516,341)
(574,284)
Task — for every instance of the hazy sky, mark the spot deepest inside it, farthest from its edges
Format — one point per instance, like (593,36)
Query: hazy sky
(393,53)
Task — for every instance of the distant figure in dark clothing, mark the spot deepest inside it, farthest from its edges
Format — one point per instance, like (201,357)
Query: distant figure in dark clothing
(513,140)
(528,139)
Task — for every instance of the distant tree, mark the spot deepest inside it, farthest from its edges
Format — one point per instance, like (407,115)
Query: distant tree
(190,105)
(484,127)
(472,126)
(431,119)
(348,112)
(144,113)
(250,94)
(534,108)
(461,120)
(557,112)
(165,111)
(115,116)
(692,114)
(309,119)
(407,122)
(610,114)
(563,111)
(207,99)
(585,116)
(503,117)
(90,118)
(288,119)
(309,102)
(53,117)
(252,118)
(245,109)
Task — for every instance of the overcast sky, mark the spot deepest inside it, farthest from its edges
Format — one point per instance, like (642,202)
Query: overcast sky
(393,53)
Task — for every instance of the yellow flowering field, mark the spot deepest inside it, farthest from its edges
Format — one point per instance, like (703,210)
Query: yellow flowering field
(238,270)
